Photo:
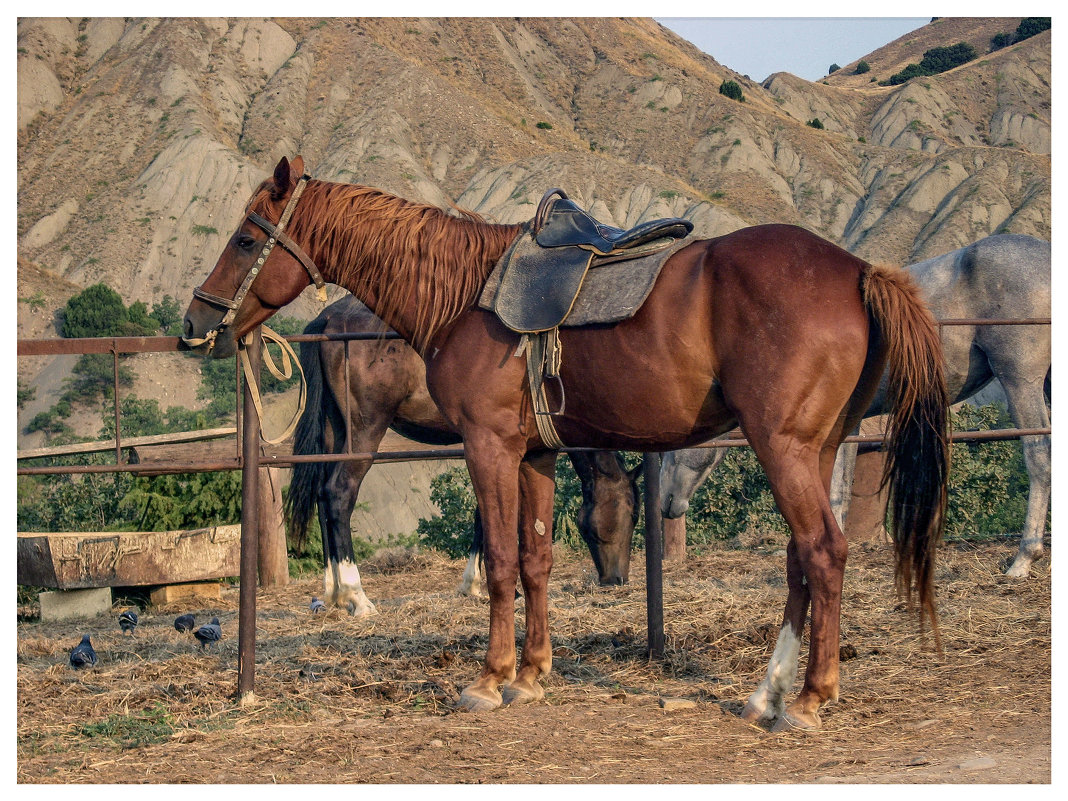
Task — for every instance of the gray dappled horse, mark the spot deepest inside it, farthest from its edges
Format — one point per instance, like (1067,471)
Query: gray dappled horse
(1006,276)
(387,389)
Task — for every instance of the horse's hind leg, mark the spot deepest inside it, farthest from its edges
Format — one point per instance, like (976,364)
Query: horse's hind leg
(1027,406)
(336,503)
(816,555)
(766,702)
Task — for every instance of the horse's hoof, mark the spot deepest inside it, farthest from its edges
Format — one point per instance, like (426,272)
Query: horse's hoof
(479,699)
(519,692)
(759,707)
(1019,571)
(362,610)
(797,721)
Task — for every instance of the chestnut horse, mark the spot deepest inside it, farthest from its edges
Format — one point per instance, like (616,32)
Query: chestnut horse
(381,384)
(770,328)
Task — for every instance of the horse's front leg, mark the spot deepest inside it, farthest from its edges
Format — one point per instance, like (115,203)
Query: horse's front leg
(494,470)
(341,575)
(536,488)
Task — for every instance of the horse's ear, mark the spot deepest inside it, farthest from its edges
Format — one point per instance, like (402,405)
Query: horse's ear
(282,180)
(286,176)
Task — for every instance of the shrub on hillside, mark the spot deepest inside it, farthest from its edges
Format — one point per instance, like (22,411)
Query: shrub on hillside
(934,61)
(732,90)
(1032,26)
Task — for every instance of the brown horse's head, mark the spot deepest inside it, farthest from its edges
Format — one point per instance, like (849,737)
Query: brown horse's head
(608,513)
(252,279)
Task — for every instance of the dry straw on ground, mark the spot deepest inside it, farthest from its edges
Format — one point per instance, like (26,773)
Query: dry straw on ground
(344,700)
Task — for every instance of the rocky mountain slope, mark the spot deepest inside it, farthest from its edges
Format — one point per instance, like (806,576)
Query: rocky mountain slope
(139,140)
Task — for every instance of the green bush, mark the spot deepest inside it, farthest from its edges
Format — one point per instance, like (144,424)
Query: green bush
(1000,40)
(451,531)
(940,59)
(815,123)
(1031,26)
(934,61)
(988,482)
(833,68)
(732,90)
(862,67)
(97,311)
(168,316)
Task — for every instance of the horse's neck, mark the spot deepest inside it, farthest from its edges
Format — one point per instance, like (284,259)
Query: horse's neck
(387,266)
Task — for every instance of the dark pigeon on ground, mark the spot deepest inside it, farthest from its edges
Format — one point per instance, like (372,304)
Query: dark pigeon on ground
(317,606)
(128,621)
(83,655)
(212,632)
(184,623)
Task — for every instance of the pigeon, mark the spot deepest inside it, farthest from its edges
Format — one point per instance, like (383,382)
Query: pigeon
(317,606)
(128,621)
(184,623)
(83,655)
(209,633)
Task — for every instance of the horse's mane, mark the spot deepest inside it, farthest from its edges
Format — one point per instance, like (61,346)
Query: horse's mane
(404,253)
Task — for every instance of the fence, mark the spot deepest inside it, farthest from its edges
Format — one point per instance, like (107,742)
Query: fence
(248,458)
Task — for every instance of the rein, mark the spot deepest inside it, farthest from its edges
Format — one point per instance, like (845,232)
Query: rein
(283,373)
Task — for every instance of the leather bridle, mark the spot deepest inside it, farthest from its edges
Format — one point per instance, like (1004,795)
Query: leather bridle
(276,236)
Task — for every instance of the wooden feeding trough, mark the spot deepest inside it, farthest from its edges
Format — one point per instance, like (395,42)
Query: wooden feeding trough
(82,564)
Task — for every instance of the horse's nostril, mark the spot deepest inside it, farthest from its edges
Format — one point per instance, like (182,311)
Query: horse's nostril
(187,328)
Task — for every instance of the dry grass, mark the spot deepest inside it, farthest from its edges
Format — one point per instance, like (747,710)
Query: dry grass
(343,700)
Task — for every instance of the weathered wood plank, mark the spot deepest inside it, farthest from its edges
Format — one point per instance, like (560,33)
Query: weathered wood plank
(79,560)
(127,442)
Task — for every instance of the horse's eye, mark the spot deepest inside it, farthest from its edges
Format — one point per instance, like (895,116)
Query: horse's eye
(244,241)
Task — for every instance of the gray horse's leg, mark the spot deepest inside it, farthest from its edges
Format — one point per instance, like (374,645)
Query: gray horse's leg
(1027,405)
(842,481)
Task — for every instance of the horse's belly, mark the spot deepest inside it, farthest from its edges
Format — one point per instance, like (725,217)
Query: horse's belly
(628,407)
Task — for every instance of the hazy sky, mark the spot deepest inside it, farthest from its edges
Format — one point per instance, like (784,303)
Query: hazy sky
(804,46)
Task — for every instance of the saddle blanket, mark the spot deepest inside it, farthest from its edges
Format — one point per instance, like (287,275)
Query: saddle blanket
(608,291)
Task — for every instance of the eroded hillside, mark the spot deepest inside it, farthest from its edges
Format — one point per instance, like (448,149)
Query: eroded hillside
(140,139)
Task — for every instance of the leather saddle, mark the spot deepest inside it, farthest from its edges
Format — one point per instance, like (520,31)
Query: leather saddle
(542,271)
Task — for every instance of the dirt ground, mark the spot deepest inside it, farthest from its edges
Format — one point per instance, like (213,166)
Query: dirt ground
(340,700)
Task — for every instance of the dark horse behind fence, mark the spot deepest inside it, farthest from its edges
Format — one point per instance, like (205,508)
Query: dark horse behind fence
(382,385)
(769,328)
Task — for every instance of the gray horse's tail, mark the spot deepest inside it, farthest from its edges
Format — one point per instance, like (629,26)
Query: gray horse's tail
(310,437)
(917,443)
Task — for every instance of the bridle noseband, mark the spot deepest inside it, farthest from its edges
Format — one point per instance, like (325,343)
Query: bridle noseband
(276,235)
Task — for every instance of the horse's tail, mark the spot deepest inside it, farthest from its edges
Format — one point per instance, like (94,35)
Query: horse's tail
(310,437)
(917,442)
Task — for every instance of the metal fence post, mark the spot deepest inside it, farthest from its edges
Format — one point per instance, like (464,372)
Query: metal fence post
(250,513)
(654,555)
